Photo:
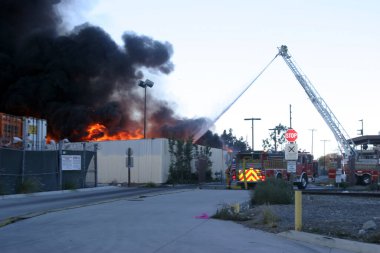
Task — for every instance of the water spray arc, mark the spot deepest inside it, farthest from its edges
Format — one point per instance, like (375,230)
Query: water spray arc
(212,122)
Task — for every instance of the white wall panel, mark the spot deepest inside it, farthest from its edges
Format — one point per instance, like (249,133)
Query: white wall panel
(151,161)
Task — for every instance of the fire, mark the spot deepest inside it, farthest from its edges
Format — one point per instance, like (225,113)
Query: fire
(99,132)
(49,139)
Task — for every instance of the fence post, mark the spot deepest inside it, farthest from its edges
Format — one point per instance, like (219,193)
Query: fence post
(84,165)
(96,164)
(23,166)
(60,164)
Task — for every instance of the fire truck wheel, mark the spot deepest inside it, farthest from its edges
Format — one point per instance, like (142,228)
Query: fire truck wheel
(366,179)
(303,184)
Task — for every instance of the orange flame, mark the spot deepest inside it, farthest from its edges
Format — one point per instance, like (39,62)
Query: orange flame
(49,139)
(99,132)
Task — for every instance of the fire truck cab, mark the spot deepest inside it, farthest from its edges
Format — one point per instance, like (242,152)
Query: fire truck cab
(257,166)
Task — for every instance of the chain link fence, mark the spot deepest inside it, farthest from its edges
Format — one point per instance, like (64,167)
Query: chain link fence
(62,166)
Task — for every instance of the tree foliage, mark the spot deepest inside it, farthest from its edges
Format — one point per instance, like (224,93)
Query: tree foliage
(234,143)
(276,138)
(182,153)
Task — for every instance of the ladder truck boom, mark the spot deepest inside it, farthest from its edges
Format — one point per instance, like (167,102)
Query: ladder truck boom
(337,129)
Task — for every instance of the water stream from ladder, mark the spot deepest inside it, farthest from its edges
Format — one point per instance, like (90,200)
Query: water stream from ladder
(201,132)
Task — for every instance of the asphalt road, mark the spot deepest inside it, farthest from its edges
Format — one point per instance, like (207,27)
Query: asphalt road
(18,207)
(159,221)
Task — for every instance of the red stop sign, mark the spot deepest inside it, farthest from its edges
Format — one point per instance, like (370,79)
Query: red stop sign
(291,135)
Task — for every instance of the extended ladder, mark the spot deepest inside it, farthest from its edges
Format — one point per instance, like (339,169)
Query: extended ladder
(340,134)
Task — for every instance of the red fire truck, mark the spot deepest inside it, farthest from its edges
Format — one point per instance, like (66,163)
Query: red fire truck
(365,168)
(251,168)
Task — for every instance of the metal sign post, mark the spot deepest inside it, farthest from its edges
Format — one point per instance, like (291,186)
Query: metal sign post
(291,152)
(129,164)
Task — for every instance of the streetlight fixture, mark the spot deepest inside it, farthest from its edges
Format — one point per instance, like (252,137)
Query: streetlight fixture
(361,132)
(253,138)
(145,84)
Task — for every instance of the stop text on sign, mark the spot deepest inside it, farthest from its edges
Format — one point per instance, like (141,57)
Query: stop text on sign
(291,135)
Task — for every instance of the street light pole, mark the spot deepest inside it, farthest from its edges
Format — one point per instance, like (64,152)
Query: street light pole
(312,140)
(145,84)
(324,154)
(253,138)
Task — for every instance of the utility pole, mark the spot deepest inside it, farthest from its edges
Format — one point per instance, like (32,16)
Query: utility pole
(253,138)
(324,154)
(312,140)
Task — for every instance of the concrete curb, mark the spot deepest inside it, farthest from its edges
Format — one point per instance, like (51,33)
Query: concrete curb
(100,188)
(331,242)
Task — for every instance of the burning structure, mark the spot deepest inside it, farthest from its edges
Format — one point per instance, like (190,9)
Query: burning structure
(81,81)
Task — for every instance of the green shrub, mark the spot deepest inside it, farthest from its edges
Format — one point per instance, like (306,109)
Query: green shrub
(375,238)
(343,185)
(150,185)
(268,217)
(273,191)
(228,212)
(374,187)
(69,185)
(114,182)
(28,186)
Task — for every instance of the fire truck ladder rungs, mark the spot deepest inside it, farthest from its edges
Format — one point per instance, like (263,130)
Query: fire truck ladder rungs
(340,134)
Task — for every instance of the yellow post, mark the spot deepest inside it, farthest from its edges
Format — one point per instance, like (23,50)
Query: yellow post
(236,207)
(245,179)
(298,210)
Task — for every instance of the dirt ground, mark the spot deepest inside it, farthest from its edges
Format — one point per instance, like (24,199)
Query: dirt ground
(354,218)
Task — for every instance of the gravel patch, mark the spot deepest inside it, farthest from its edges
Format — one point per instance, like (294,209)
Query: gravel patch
(354,218)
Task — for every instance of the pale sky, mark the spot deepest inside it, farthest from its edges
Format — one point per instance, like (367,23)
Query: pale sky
(221,45)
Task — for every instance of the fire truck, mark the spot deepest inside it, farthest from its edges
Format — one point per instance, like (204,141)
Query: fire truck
(257,166)
(362,164)
(366,167)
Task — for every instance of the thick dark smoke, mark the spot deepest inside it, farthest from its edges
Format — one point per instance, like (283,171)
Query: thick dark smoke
(80,77)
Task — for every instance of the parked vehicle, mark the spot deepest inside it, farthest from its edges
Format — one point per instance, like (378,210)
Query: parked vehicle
(365,168)
(252,168)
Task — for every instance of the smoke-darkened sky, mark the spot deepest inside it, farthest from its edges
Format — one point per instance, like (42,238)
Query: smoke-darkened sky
(75,78)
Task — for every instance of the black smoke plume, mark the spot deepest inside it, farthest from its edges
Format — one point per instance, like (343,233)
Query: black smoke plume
(80,77)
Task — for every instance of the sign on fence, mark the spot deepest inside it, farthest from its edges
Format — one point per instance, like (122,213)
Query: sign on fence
(71,162)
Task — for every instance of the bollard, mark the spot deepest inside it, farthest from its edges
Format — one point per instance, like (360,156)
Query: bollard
(298,211)
(236,207)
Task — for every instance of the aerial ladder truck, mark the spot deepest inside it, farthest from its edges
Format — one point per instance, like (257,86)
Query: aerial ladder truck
(366,170)
(363,173)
